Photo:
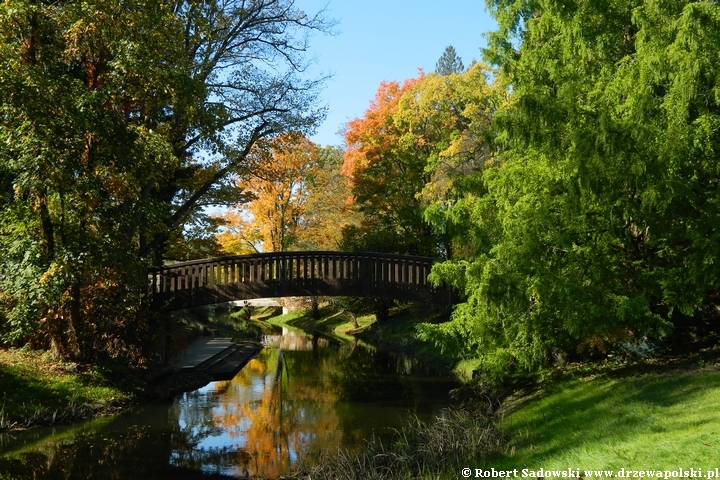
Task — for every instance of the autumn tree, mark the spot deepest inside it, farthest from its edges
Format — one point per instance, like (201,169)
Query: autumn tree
(245,61)
(386,176)
(328,208)
(448,121)
(297,199)
(277,186)
(120,121)
(407,156)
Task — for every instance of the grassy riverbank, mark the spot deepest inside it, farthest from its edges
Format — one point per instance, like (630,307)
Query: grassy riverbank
(39,390)
(646,418)
(654,417)
(662,414)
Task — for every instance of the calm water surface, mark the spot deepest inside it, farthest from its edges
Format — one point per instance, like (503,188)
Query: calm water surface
(300,397)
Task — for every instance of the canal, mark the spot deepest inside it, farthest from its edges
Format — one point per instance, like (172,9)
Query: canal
(301,397)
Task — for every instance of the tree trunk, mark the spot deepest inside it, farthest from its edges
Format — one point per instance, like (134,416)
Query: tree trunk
(80,349)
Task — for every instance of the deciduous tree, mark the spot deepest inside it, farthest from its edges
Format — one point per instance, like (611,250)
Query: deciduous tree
(297,199)
(408,156)
(277,184)
(120,120)
(386,175)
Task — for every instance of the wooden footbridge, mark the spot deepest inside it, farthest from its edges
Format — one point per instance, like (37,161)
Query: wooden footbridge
(287,274)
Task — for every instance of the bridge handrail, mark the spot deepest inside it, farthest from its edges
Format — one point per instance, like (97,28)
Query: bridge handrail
(389,256)
(295,273)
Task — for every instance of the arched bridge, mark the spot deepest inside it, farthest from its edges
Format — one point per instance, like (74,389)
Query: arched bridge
(287,274)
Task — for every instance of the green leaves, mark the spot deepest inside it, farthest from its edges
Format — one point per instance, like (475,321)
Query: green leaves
(599,222)
(119,120)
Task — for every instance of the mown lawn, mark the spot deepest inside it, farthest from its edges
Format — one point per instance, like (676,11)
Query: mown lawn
(653,421)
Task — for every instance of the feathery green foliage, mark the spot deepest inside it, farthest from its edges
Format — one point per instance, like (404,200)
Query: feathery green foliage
(598,224)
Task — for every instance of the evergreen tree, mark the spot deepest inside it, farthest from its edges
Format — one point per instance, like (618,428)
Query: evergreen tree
(449,62)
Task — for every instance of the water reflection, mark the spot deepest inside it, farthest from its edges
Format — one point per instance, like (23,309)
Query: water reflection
(302,395)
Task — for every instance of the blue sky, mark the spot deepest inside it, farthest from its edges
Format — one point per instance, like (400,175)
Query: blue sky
(387,40)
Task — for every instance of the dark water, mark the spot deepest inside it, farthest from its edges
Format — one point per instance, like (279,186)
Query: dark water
(300,397)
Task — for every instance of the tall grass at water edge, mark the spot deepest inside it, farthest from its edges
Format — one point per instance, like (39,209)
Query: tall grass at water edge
(428,451)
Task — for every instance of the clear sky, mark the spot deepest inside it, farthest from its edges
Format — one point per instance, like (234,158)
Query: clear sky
(387,40)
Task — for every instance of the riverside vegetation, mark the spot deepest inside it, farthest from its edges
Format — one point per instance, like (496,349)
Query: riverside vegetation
(641,411)
(657,412)
(570,187)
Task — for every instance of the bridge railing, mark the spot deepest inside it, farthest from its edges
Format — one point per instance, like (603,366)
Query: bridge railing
(201,282)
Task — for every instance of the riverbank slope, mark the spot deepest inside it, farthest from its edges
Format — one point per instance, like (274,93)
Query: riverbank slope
(37,389)
(651,414)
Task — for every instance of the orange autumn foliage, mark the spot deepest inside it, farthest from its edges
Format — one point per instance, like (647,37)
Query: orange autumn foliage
(369,137)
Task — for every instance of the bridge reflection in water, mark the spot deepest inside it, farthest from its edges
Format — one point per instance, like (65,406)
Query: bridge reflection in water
(284,274)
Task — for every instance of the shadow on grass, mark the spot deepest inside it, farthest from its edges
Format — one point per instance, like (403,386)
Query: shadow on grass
(25,399)
(329,319)
(37,392)
(600,415)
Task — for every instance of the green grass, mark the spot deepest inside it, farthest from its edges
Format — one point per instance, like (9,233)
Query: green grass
(606,422)
(331,323)
(652,421)
(36,389)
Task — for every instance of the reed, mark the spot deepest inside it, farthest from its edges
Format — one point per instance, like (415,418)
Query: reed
(421,450)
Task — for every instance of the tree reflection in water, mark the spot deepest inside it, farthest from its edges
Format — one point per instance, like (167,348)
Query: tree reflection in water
(277,409)
(299,397)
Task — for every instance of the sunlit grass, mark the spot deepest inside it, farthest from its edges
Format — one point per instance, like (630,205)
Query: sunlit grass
(331,323)
(653,421)
(36,388)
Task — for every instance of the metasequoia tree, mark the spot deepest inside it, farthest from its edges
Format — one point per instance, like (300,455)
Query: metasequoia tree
(120,120)
(602,215)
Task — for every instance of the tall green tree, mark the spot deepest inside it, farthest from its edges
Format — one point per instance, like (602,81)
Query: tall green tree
(602,214)
(119,121)
(449,62)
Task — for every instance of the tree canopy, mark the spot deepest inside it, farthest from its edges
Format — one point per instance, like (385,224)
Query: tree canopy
(571,187)
(601,213)
(120,121)
(409,154)
(296,199)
